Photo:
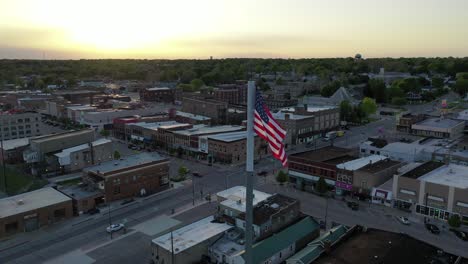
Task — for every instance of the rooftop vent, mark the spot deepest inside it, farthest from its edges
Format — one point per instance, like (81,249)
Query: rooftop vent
(20,202)
(274,206)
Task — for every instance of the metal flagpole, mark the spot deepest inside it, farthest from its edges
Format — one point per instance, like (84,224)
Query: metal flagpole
(249,168)
(4,168)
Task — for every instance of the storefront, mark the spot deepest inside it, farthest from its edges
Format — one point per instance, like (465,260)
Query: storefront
(433,212)
(343,188)
(403,205)
(380,196)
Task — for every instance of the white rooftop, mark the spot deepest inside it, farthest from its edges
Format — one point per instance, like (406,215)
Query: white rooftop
(356,164)
(191,235)
(156,125)
(29,201)
(235,197)
(203,129)
(64,155)
(282,115)
(15,143)
(192,116)
(158,88)
(81,107)
(438,123)
(229,137)
(450,175)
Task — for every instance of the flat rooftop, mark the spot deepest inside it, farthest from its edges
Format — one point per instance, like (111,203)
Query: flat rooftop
(203,129)
(76,192)
(125,162)
(379,165)
(422,169)
(235,197)
(156,125)
(193,116)
(322,154)
(15,143)
(229,137)
(439,122)
(266,208)
(191,235)
(61,135)
(158,88)
(29,201)
(283,116)
(450,175)
(66,152)
(375,246)
(81,107)
(356,164)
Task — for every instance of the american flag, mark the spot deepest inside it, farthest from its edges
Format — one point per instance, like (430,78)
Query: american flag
(267,128)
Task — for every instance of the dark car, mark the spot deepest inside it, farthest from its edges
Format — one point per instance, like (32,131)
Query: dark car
(94,211)
(127,201)
(460,234)
(263,173)
(433,229)
(353,205)
(196,174)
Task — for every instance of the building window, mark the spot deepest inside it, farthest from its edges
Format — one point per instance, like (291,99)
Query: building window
(116,189)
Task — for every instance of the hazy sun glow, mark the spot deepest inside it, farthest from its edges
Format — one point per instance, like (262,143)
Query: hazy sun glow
(224,28)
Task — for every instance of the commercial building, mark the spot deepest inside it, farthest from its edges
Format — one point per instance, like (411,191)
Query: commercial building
(136,175)
(41,146)
(183,117)
(189,243)
(373,175)
(157,94)
(78,96)
(11,151)
(232,202)
(84,198)
(230,148)
(305,124)
(231,93)
(433,189)
(439,128)
(82,156)
(405,122)
(75,112)
(346,172)
(306,168)
(32,210)
(15,125)
(121,126)
(216,110)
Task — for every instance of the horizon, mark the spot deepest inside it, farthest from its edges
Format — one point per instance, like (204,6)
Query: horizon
(180,29)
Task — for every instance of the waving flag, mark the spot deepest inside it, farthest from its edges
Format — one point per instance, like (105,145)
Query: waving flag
(267,128)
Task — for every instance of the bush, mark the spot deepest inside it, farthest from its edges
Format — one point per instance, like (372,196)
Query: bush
(282,177)
(454,221)
(398,101)
(321,186)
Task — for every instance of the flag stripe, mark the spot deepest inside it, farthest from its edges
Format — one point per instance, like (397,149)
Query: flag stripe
(267,128)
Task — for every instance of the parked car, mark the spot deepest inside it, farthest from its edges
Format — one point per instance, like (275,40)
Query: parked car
(460,234)
(353,205)
(114,228)
(432,228)
(196,174)
(403,220)
(94,211)
(263,173)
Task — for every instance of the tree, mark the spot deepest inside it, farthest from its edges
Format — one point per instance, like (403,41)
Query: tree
(282,177)
(116,155)
(378,90)
(180,152)
(461,85)
(197,84)
(368,106)
(321,186)
(437,82)
(329,89)
(105,133)
(398,100)
(346,110)
(454,220)
(395,91)
(182,172)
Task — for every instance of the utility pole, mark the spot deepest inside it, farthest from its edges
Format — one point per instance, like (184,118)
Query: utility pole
(4,167)
(326,211)
(193,190)
(110,219)
(172,249)
(249,167)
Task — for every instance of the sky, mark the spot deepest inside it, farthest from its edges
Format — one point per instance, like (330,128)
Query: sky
(75,29)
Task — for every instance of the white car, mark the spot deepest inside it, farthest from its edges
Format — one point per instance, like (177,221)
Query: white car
(114,228)
(403,220)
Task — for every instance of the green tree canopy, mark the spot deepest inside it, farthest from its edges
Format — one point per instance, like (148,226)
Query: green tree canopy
(183,171)
(116,155)
(329,89)
(395,91)
(378,90)
(454,220)
(321,186)
(368,106)
(437,82)
(197,84)
(105,133)
(282,177)
(346,110)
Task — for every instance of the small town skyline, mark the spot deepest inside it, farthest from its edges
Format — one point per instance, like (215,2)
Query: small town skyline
(265,29)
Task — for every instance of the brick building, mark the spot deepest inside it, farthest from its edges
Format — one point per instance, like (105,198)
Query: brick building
(158,94)
(20,125)
(405,122)
(306,168)
(231,93)
(32,210)
(216,110)
(137,175)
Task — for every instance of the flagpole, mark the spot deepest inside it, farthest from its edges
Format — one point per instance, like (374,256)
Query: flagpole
(249,168)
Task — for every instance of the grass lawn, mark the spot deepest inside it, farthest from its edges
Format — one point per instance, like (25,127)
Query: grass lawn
(18,181)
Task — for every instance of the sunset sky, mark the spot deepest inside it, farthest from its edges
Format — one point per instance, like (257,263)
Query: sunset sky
(72,29)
